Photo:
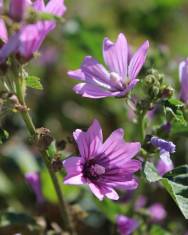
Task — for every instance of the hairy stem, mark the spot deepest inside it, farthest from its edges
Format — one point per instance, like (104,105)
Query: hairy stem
(66,220)
(141,126)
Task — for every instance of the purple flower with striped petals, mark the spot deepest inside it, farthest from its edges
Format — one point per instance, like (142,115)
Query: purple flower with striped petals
(165,145)
(33,179)
(165,163)
(98,82)
(126,226)
(29,38)
(103,166)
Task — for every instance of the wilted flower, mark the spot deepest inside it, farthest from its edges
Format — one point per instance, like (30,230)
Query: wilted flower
(103,166)
(183,75)
(98,82)
(165,163)
(29,38)
(33,179)
(157,212)
(165,145)
(126,226)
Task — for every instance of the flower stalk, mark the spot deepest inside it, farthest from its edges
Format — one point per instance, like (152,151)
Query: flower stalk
(66,219)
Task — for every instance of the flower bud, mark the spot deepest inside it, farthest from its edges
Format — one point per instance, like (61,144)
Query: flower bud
(44,138)
(17,9)
(33,179)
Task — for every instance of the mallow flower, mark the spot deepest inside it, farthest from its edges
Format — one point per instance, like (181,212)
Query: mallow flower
(103,166)
(26,41)
(121,76)
(183,76)
(126,226)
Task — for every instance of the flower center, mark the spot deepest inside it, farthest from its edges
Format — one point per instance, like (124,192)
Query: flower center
(117,81)
(92,170)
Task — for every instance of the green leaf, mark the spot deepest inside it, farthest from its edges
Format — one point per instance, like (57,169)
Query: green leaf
(150,172)
(175,182)
(157,230)
(174,103)
(110,208)
(34,82)
(174,108)
(3,136)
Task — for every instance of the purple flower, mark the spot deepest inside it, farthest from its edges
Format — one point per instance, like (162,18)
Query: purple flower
(29,38)
(103,166)
(140,202)
(157,212)
(183,75)
(163,144)
(33,179)
(17,9)
(165,163)
(98,82)
(126,226)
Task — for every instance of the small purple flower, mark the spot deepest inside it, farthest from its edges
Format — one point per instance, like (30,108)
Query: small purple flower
(17,9)
(126,226)
(33,179)
(183,76)
(98,82)
(103,166)
(165,163)
(140,202)
(157,212)
(29,38)
(163,144)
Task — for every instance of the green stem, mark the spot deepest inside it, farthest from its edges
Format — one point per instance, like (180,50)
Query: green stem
(141,126)
(66,220)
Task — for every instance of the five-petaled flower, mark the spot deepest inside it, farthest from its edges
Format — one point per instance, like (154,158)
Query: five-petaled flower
(98,82)
(103,166)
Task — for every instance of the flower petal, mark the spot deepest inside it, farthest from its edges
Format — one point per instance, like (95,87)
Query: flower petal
(10,47)
(38,5)
(96,191)
(116,55)
(77,74)
(75,180)
(112,194)
(91,91)
(3,31)
(73,165)
(95,73)
(90,142)
(138,60)
(183,75)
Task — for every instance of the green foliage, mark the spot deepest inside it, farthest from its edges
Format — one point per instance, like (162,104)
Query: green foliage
(175,182)
(3,136)
(34,82)
(157,230)
(111,209)
(174,107)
